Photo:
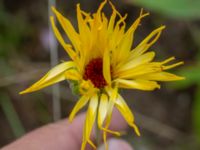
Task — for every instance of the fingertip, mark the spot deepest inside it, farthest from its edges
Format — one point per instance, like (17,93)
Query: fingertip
(117,144)
(117,121)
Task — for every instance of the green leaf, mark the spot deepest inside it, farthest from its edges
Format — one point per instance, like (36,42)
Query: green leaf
(196,113)
(74,85)
(195,33)
(185,9)
(192,75)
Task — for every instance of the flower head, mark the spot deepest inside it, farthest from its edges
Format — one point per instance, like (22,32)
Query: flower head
(103,61)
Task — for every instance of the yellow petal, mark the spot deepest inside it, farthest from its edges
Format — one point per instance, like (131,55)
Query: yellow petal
(101,7)
(137,22)
(112,94)
(138,71)
(124,47)
(87,87)
(80,104)
(85,35)
(126,113)
(147,42)
(83,27)
(112,21)
(161,76)
(114,40)
(68,28)
(172,66)
(102,113)
(55,75)
(126,43)
(103,106)
(106,67)
(67,47)
(89,122)
(72,75)
(145,58)
(139,84)
(166,67)
(105,111)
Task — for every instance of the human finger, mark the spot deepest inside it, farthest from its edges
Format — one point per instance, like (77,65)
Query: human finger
(61,135)
(117,144)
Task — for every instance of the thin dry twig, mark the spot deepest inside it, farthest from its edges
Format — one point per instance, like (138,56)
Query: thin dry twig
(54,60)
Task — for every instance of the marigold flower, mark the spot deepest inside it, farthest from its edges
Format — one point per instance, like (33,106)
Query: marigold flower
(103,62)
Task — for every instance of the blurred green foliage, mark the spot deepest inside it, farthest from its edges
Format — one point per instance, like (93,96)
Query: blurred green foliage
(196,111)
(179,9)
(192,74)
(11,115)
(12,28)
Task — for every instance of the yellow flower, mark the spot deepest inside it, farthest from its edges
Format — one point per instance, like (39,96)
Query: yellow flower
(103,61)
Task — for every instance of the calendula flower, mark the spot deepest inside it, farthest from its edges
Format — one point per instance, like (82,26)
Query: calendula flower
(103,61)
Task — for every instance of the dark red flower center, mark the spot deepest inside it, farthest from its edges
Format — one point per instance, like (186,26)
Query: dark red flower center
(94,72)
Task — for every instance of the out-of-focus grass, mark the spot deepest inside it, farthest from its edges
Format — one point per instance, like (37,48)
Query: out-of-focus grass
(196,111)
(12,29)
(192,75)
(179,9)
(11,115)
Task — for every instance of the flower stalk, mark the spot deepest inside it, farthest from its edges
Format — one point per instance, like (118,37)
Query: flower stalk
(53,45)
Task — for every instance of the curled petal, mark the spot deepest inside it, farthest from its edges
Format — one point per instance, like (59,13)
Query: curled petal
(112,97)
(161,76)
(55,75)
(102,113)
(89,121)
(80,104)
(172,66)
(59,37)
(126,113)
(68,28)
(103,106)
(147,42)
(126,43)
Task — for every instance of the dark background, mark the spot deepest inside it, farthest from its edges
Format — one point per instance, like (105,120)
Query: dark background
(169,118)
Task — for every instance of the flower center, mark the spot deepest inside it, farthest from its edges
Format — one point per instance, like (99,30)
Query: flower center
(94,73)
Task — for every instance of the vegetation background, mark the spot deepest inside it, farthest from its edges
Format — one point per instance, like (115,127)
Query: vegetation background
(169,118)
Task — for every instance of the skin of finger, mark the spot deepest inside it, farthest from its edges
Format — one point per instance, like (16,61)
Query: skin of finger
(117,144)
(55,136)
(61,135)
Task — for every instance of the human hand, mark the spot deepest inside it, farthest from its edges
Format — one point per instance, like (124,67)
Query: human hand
(67,136)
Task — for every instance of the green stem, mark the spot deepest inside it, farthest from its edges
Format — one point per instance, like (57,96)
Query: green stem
(98,135)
